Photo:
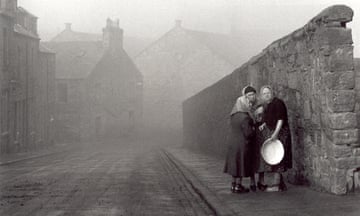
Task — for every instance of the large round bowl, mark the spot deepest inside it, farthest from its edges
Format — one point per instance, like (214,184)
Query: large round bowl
(272,151)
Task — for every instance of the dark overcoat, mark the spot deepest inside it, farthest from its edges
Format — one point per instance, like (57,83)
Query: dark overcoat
(274,111)
(240,155)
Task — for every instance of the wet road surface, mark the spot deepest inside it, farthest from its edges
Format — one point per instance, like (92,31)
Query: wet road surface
(112,179)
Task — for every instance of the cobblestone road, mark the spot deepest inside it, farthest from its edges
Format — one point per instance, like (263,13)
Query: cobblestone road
(111,179)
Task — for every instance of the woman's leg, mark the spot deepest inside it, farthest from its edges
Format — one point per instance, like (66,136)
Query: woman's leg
(252,180)
(239,187)
(233,184)
(262,178)
(261,183)
(234,179)
(239,180)
(277,177)
(252,183)
(282,185)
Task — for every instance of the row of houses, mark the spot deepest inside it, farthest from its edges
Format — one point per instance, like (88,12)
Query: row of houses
(27,80)
(98,87)
(101,85)
(163,73)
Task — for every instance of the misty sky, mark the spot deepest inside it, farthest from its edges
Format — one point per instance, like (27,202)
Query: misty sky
(152,18)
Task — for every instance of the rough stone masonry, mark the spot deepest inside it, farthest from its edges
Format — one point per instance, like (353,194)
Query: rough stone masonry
(312,70)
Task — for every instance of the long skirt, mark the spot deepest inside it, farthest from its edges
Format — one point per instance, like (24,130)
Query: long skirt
(240,155)
(285,137)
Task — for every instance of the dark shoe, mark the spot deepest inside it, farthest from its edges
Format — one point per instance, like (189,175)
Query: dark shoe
(233,185)
(261,186)
(282,186)
(241,189)
(253,188)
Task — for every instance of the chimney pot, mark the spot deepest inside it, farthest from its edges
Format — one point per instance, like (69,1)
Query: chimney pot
(112,34)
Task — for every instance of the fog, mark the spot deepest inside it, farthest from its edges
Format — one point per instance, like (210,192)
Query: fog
(264,20)
(256,24)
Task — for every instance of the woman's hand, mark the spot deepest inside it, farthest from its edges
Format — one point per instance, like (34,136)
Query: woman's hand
(261,127)
(274,137)
(275,134)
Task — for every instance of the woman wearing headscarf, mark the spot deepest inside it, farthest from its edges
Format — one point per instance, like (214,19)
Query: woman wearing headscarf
(240,153)
(275,120)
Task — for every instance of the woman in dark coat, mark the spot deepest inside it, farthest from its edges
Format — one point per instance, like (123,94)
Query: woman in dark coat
(240,156)
(276,125)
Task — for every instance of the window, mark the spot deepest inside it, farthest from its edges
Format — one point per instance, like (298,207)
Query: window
(5,47)
(3,4)
(18,66)
(62,92)
(15,120)
(4,111)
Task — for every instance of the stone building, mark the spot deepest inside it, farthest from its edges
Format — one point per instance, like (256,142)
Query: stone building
(23,87)
(45,91)
(79,55)
(74,62)
(7,22)
(27,50)
(178,65)
(114,89)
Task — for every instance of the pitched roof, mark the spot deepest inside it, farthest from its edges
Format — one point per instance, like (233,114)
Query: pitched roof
(77,53)
(23,10)
(221,44)
(76,60)
(115,62)
(70,35)
(132,45)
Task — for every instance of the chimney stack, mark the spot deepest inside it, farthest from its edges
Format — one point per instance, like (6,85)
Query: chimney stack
(112,35)
(68,26)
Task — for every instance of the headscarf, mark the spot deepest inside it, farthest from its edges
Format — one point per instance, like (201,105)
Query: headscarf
(248,89)
(242,104)
(271,90)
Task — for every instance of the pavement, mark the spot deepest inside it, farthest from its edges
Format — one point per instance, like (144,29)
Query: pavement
(206,174)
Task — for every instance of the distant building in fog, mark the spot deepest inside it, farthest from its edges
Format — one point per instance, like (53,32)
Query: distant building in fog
(82,58)
(132,45)
(178,65)
(27,82)
(114,89)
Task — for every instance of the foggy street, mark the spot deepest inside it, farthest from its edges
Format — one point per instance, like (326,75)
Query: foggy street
(182,107)
(109,179)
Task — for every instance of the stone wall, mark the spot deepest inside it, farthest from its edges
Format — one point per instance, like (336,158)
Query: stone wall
(312,70)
